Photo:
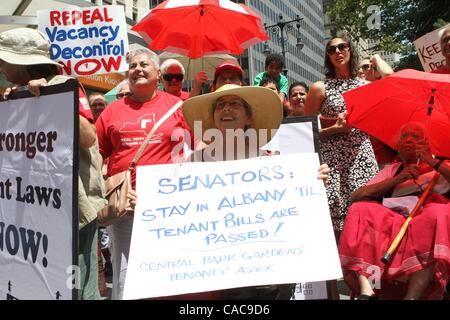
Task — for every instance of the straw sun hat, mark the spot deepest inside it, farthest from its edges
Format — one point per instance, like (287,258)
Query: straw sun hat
(267,111)
(25,46)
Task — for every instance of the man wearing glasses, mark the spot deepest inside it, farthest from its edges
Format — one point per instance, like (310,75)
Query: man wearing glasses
(374,68)
(172,76)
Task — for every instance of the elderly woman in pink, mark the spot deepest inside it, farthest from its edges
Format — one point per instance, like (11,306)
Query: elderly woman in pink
(419,268)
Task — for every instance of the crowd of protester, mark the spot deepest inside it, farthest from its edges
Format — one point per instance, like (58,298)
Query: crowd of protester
(359,171)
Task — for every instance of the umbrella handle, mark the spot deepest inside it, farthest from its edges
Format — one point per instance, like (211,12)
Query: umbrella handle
(388,255)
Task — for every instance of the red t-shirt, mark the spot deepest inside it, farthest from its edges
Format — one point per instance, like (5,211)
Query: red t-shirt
(441,70)
(124,124)
(184,95)
(83,106)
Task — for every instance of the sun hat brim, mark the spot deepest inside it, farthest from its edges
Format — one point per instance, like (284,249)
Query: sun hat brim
(25,59)
(267,110)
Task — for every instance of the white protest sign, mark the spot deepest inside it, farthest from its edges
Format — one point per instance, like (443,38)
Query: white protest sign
(86,41)
(293,137)
(311,291)
(428,48)
(297,134)
(216,225)
(37,221)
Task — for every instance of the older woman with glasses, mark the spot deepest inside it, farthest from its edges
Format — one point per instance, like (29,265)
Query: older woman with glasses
(346,150)
(240,115)
(420,267)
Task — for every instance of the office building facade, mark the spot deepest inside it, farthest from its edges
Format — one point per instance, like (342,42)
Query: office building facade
(302,65)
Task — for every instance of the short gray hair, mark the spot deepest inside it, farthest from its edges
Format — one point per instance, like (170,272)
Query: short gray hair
(153,57)
(167,63)
(121,84)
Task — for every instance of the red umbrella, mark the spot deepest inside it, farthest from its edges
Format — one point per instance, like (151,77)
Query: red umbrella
(196,28)
(382,107)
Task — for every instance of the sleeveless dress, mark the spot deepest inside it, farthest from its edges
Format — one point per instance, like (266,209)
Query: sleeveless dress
(349,155)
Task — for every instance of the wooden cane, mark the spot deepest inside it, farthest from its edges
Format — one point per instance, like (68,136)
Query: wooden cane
(388,255)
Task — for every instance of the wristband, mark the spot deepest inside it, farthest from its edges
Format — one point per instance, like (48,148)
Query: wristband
(437,165)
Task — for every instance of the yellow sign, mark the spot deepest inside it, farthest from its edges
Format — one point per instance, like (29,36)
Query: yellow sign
(102,81)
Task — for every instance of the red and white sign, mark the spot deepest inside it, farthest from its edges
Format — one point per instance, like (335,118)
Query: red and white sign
(86,41)
(428,48)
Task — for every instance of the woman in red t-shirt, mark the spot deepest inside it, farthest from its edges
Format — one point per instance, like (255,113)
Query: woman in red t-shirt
(123,126)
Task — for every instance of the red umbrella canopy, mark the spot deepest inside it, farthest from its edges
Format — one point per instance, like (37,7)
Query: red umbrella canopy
(196,28)
(382,107)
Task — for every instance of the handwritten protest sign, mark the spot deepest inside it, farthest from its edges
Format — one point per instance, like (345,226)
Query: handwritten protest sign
(38,220)
(296,134)
(86,41)
(428,48)
(300,134)
(208,226)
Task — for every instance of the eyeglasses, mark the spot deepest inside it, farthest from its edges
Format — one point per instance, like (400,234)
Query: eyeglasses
(341,46)
(170,76)
(123,94)
(366,67)
(234,104)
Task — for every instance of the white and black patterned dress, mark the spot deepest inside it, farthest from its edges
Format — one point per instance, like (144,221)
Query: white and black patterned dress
(349,155)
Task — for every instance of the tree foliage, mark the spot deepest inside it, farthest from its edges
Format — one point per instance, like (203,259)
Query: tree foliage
(401,22)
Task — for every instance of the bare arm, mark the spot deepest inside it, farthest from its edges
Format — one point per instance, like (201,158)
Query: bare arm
(381,66)
(88,133)
(314,100)
(377,190)
(444,170)
(200,79)
(424,153)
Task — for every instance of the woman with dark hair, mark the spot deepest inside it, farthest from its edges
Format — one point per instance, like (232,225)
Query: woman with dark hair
(298,91)
(346,150)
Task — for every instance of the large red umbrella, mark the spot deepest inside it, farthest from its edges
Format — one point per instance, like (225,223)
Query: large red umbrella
(382,107)
(196,28)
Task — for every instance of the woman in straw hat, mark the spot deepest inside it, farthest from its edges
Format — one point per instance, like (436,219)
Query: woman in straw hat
(234,122)
(24,61)
(246,117)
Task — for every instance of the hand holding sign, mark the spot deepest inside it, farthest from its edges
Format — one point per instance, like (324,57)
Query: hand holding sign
(267,217)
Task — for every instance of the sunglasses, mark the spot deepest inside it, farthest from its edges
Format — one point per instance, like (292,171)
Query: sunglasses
(366,67)
(170,76)
(123,94)
(341,46)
